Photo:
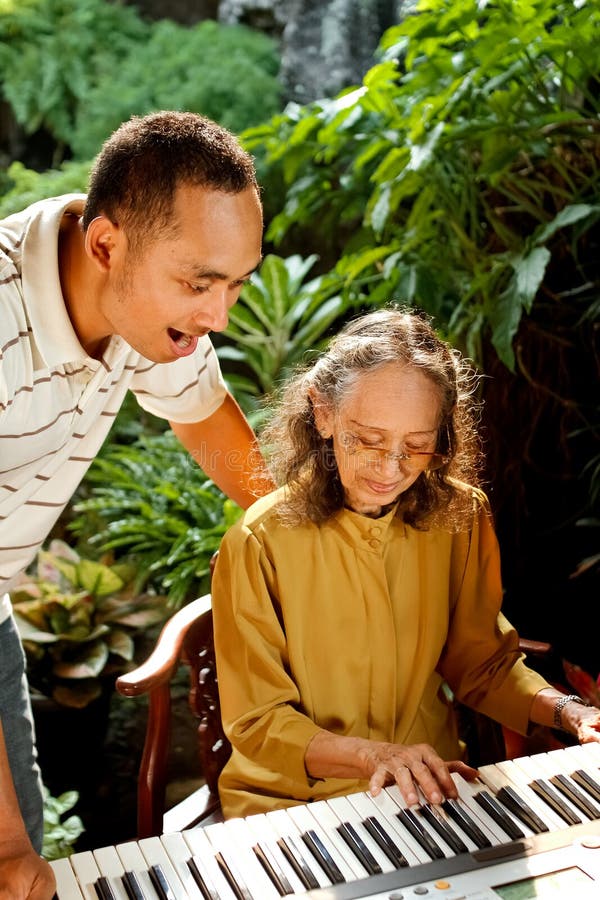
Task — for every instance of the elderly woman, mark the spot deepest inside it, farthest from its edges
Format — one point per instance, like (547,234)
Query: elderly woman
(351,604)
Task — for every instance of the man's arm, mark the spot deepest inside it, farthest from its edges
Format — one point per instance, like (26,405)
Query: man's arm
(226,449)
(23,874)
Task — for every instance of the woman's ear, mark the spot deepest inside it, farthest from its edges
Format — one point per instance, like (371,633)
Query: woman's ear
(323,415)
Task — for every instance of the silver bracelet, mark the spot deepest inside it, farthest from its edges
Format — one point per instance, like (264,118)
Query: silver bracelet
(560,705)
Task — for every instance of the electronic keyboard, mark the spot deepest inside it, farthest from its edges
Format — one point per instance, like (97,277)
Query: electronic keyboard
(528,827)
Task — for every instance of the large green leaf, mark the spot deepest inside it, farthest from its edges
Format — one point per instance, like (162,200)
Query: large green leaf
(88,662)
(575,212)
(529,271)
(97,578)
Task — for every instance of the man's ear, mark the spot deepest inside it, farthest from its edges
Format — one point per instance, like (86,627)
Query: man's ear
(323,415)
(102,240)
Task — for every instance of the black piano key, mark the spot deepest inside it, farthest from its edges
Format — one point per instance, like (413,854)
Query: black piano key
(160,883)
(103,889)
(420,834)
(296,859)
(202,879)
(509,797)
(466,823)
(495,811)
(233,877)
(273,870)
(572,793)
(323,856)
(385,842)
(132,886)
(585,781)
(359,848)
(549,796)
(454,841)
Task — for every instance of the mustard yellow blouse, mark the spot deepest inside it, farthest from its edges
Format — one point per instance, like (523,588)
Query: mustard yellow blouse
(356,626)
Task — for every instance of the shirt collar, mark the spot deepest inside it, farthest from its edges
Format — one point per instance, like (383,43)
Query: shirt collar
(366,532)
(55,336)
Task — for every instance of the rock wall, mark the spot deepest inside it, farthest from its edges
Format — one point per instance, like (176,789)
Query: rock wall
(325,46)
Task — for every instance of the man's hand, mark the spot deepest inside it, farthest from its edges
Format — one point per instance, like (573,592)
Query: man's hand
(23,874)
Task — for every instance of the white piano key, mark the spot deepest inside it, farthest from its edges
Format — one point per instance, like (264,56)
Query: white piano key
(156,854)
(449,822)
(133,860)
(456,828)
(386,803)
(179,853)
(67,886)
(519,781)
(568,763)
(472,821)
(233,840)
(543,763)
(264,834)
(301,815)
(394,792)
(592,752)
(326,818)
(87,872)
(107,860)
(200,846)
(468,790)
(287,830)
(539,767)
(346,812)
(583,756)
(384,810)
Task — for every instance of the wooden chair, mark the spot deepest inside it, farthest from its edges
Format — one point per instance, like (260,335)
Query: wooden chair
(188,637)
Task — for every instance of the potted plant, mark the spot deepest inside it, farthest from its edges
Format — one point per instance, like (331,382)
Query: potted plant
(60,835)
(79,621)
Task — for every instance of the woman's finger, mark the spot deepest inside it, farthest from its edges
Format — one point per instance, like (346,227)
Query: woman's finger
(404,779)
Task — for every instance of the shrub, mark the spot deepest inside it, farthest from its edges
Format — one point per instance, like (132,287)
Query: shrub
(60,834)
(467,158)
(53,51)
(228,73)
(150,503)
(60,62)
(24,186)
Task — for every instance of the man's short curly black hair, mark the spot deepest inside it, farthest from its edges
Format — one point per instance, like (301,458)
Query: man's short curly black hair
(139,168)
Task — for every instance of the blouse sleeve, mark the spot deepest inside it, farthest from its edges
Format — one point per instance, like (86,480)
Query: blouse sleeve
(259,699)
(481,660)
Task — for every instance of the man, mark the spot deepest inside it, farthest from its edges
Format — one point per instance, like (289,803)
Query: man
(97,296)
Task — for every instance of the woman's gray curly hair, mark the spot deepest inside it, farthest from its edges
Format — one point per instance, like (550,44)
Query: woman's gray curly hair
(303,460)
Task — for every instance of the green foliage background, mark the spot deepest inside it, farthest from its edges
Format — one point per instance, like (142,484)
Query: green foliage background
(78,68)
(462,175)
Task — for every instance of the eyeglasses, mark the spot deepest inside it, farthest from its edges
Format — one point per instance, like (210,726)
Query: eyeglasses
(376,456)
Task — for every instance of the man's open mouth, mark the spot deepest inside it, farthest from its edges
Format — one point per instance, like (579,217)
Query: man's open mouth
(182,340)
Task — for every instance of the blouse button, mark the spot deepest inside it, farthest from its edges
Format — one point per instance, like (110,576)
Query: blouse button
(374,543)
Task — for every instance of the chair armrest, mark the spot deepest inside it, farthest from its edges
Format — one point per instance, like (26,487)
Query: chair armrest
(153,677)
(535,648)
(164,660)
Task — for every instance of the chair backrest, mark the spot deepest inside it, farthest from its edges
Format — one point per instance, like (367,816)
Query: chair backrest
(199,654)
(186,638)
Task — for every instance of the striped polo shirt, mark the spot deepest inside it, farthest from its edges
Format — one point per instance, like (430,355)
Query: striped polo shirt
(57,404)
